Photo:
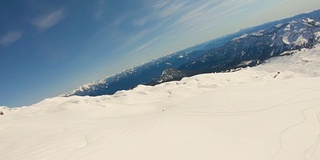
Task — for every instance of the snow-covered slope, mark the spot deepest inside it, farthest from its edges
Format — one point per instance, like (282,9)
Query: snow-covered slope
(268,112)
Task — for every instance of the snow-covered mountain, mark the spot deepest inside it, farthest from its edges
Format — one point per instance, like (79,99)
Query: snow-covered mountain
(254,48)
(270,111)
(247,47)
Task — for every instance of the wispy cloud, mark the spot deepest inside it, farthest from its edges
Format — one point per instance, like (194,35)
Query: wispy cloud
(10,37)
(171,9)
(171,22)
(99,10)
(195,11)
(140,48)
(143,46)
(49,20)
(200,11)
(137,37)
(139,22)
(206,14)
(163,9)
(183,19)
(160,4)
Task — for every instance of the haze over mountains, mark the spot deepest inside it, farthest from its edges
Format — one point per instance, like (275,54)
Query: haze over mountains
(248,47)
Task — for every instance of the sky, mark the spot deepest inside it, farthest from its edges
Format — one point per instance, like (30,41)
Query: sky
(50,47)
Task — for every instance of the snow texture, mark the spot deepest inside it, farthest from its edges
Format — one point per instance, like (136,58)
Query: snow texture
(268,112)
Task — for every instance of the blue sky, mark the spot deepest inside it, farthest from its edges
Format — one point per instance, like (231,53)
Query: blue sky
(49,47)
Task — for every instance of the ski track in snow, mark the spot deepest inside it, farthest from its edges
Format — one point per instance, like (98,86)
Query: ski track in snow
(312,149)
(293,126)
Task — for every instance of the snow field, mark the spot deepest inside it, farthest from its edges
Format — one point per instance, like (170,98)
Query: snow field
(268,112)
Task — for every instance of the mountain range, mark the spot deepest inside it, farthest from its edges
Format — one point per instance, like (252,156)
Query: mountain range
(248,47)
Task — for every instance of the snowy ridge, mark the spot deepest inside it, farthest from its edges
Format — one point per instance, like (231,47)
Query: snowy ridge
(130,78)
(103,82)
(295,33)
(270,111)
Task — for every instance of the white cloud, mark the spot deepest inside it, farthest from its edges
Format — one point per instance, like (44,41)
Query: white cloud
(10,37)
(49,20)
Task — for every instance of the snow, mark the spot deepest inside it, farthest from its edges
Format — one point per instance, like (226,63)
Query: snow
(296,34)
(279,25)
(288,28)
(309,20)
(300,41)
(181,56)
(286,40)
(259,33)
(271,111)
(241,37)
(245,63)
(317,34)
